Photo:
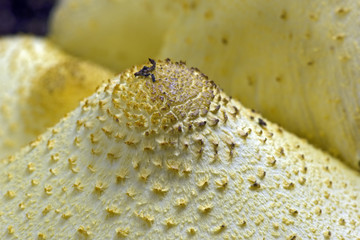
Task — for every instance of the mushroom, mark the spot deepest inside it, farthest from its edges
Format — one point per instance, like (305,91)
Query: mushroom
(39,85)
(296,62)
(173,158)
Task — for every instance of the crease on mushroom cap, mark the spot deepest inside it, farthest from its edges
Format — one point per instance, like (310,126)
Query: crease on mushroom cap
(39,85)
(133,161)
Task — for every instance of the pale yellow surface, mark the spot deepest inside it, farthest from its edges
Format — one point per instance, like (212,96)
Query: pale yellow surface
(294,61)
(39,84)
(173,159)
(115,33)
(297,62)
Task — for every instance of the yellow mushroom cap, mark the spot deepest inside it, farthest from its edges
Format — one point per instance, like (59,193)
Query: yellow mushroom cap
(39,84)
(173,158)
(120,33)
(296,62)
(289,60)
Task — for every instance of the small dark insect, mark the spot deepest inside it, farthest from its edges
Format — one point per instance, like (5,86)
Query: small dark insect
(145,71)
(262,122)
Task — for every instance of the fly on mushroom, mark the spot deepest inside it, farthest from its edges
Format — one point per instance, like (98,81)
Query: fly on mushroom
(145,71)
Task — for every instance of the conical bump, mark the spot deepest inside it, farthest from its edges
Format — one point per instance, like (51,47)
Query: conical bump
(229,175)
(169,99)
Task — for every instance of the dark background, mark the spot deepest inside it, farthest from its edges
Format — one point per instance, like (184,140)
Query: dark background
(25,16)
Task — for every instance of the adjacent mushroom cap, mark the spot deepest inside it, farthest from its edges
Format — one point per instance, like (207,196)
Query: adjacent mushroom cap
(173,158)
(119,33)
(39,84)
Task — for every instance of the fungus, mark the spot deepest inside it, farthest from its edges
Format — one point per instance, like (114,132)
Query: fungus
(156,199)
(315,55)
(39,84)
(309,85)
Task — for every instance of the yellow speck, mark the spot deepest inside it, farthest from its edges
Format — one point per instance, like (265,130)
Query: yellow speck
(78,186)
(276,225)
(288,185)
(222,183)
(91,168)
(131,192)
(72,161)
(342,11)
(34,182)
(10,194)
(173,165)
(50,144)
(339,37)
(55,157)
(53,171)
(293,211)
(41,236)
(205,208)
(192,231)
(287,221)
(181,202)
(29,215)
(113,210)
(318,210)
(252,179)
(11,229)
(158,188)
(261,173)
(48,189)
(47,209)
(121,232)
(170,222)
(327,234)
(219,228)
(10,176)
(271,161)
(77,141)
(122,175)
(84,231)
(22,206)
(302,180)
(144,174)
(100,187)
(31,167)
(66,215)
(203,182)
(291,237)
(145,217)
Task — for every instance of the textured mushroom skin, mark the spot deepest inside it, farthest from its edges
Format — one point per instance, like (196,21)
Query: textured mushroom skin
(296,62)
(175,158)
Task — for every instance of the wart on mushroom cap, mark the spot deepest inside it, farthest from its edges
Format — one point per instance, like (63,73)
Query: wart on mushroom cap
(140,158)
